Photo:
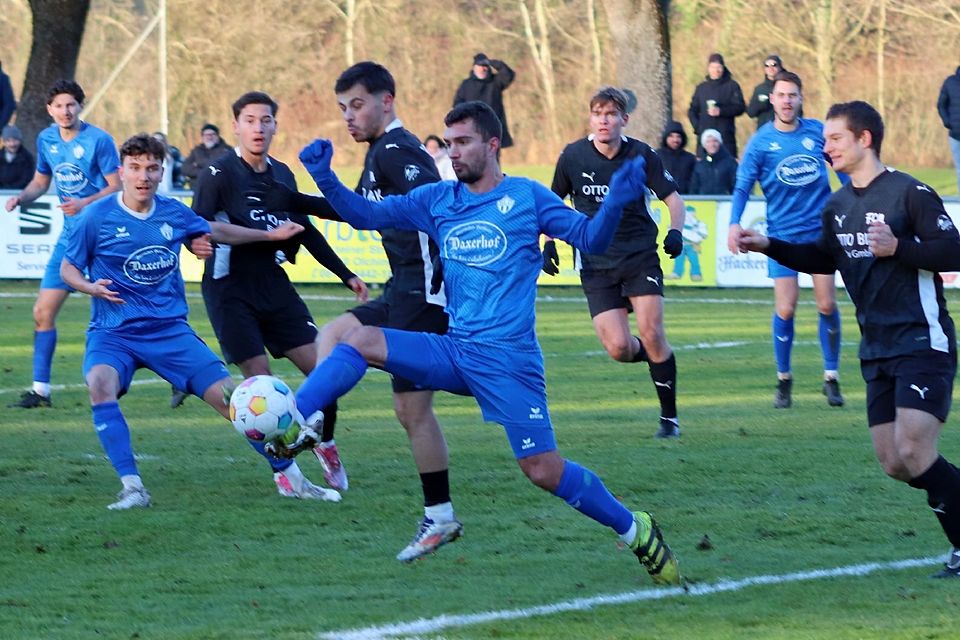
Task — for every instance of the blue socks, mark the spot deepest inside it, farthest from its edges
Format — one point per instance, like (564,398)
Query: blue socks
(782,342)
(830,340)
(114,436)
(332,378)
(44,344)
(584,491)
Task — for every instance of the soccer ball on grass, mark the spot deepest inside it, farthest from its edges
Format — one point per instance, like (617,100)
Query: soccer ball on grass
(263,408)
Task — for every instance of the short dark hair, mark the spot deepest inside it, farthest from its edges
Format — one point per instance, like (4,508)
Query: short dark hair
(66,86)
(435,138)
(252,97)
(485,120)
(143,144)
(788,76)
(373,77)
(610,95)
(860,117)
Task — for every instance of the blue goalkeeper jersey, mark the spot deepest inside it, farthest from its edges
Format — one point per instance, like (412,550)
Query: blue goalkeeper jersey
(793,176)
(490,246)
(141,257)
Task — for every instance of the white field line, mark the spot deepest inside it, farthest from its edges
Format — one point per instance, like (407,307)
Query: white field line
(439,623)
(682,347)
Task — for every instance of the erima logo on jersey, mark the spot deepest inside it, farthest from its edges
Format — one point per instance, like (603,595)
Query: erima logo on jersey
(775,146)
(410,172)
(150,265)
(798,170)
(213,170)
(527,443)
(505,204)
(166,231)
(122,233)
(476,244)
(944,223)
(840,220)
(588,176)
(807,144)
(536,413)
(70,178)
(392,145)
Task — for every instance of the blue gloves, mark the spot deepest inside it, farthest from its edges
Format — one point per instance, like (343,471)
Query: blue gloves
(316,158)
(628,184)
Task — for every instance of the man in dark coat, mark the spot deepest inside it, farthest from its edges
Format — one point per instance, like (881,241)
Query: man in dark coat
(676,159)
(487,82)
(760,107)
(716,173)
(16,163)
(715,103)
(211,147)
(948,106)
(8,104)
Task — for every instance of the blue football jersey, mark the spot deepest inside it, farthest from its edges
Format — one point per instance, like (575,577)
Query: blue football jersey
(490,246)
(793,176)
(80,167)
(141,257)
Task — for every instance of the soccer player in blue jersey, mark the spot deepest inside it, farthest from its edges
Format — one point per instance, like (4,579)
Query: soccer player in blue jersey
(786,156)
(487,226)
(82,160)
(129,245)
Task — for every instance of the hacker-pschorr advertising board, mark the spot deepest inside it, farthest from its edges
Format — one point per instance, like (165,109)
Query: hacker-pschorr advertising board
(29,234)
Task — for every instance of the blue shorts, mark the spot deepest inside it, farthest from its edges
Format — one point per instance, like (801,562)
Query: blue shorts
(777,270)
(171,350)
(508,385)
(51,275)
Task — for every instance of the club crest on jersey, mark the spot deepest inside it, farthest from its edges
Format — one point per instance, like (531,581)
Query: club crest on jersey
(166,231)
(944,223)
(150,265)
(505,204)
(411,172)
(78,152)
(476,244)
(808,144)
(798,170)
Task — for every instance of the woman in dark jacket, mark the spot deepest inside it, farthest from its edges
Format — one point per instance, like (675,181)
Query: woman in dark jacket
(716,173)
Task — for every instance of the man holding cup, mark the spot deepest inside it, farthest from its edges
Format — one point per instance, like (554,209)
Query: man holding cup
(715,103)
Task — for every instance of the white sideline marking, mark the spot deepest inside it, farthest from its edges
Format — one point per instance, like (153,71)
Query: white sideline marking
(432,625)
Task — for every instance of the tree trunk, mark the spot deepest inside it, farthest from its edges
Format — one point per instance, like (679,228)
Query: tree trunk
(57,33)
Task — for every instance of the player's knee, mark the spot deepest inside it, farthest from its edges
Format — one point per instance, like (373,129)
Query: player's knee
(540,472)
(101,389)
(655,342)
(826,307)
(619,350)
(43,316)
(894,467)
(786,310)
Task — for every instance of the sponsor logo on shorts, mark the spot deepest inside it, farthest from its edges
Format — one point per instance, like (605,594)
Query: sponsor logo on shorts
(150,265)
(798,170)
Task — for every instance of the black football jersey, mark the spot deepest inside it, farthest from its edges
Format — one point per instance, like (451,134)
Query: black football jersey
(583,174)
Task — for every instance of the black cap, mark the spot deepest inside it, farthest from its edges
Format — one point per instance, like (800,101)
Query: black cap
(715,57)
(210,127)
(481,58)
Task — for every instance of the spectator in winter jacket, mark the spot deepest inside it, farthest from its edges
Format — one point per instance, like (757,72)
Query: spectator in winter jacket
(211,148)
(487,82)
(760,107)
(676,159)
(16,163)
(948,105)
(716,173)
(715,103)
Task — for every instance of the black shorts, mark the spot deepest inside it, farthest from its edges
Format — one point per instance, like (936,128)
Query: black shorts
(257,314)
(635,275)
(922,381)
(403,306)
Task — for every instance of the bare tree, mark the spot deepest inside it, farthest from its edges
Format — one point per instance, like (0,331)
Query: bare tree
(539,45)
(58,27)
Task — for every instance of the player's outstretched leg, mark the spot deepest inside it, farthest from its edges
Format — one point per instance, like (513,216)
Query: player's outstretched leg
(114,435)
(583,490)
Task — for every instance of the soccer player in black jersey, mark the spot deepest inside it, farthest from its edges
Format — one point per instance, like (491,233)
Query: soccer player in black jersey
(395,163)
(889,236)
(628,275)
(251,303)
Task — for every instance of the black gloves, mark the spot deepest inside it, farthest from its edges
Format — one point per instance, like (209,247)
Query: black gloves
(436,280)
(551,260)
(673,243)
